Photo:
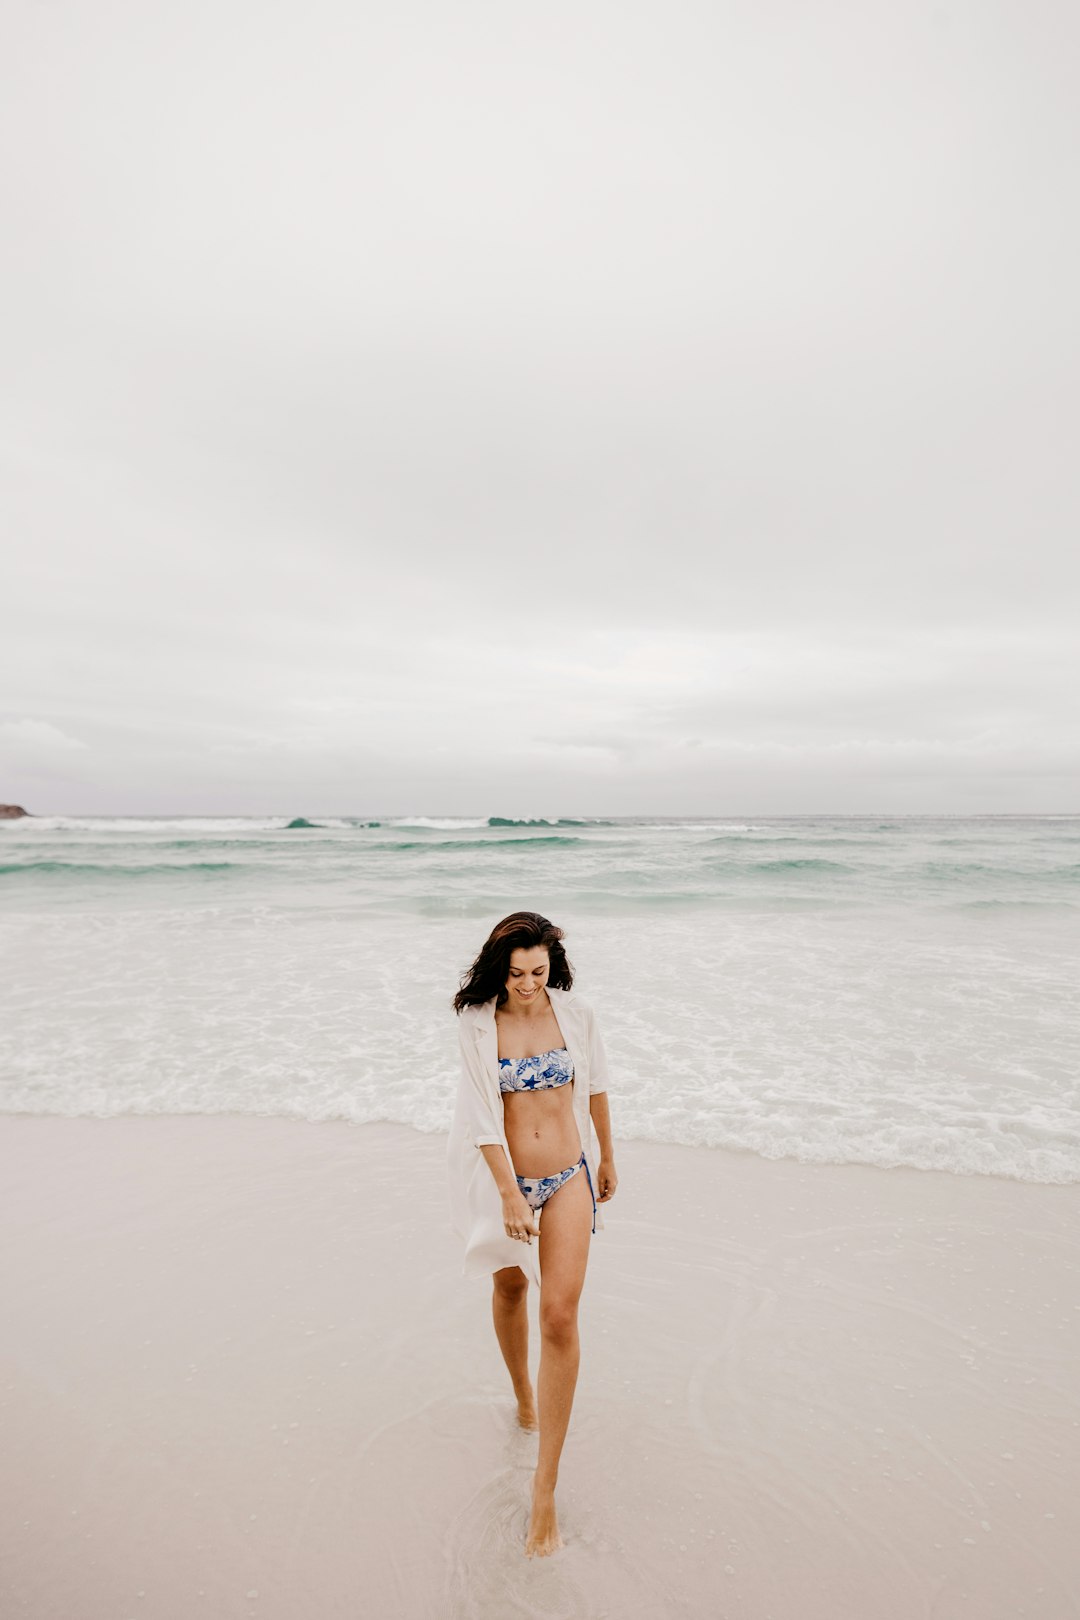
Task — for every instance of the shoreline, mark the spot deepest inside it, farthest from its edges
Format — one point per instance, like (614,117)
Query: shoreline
(242,1359)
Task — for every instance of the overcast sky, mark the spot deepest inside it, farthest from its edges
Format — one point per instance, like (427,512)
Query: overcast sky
(568,409)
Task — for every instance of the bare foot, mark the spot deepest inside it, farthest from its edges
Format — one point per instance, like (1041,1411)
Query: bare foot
(527,1418)
(543,1535)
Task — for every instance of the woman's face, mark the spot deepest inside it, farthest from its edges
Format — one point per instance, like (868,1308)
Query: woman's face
(528,974)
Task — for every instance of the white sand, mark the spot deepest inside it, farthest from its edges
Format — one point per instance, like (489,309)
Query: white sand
(242,1375)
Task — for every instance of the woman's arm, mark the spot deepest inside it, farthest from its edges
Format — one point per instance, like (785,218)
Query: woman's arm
(501,1169)
(601,1118)
(474,1093)
(519,1220)
(606,1174)
(607,1177)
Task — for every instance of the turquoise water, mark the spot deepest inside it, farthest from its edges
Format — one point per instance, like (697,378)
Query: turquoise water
(462,867)
(846,989)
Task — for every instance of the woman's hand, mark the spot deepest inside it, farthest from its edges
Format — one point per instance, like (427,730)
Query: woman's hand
(519,1217)
(606,1180)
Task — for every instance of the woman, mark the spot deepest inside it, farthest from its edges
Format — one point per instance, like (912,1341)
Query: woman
(522,1167)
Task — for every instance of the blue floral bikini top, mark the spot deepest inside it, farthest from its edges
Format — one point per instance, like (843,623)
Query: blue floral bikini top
(554,1068)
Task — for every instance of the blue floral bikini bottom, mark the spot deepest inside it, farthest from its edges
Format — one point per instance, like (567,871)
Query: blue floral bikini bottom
(538,1189)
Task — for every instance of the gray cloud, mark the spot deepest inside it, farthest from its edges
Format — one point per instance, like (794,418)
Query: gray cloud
(641,410)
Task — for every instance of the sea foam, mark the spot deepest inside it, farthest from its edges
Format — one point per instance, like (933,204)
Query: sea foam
(910,1004)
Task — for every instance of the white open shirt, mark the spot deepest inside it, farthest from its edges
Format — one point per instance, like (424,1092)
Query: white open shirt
(475,1201)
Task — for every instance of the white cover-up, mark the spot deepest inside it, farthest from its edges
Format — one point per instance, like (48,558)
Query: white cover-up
(475,1201)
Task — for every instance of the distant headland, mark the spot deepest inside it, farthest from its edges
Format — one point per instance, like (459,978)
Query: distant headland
(12,812)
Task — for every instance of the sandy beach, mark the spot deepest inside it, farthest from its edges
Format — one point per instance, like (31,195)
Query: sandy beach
(242,1375)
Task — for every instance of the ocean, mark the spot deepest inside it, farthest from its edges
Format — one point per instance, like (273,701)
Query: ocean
(833,989)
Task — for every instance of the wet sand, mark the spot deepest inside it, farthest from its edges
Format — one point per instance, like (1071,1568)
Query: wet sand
(243,1376)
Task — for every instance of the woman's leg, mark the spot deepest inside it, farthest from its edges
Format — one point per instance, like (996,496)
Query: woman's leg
(509,1310)
(565,1235)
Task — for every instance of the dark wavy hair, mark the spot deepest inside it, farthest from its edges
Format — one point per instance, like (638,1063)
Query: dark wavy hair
(488,975)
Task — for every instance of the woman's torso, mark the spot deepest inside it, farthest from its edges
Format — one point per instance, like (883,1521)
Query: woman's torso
(541,1131)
